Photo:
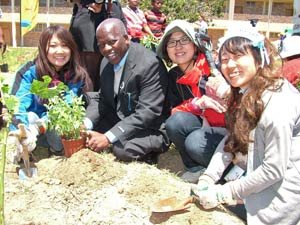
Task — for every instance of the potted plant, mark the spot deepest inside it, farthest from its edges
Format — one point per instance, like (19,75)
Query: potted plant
(65,113)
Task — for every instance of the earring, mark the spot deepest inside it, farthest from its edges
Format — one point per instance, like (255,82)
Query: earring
(169,62)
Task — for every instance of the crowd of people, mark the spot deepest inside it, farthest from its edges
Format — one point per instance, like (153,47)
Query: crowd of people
(237,131)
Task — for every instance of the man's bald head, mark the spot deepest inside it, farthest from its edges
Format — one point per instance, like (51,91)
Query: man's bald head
(110,24)
(112,39)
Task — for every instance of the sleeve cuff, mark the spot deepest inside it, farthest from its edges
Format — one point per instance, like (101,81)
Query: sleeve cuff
(111,137)
(88,123)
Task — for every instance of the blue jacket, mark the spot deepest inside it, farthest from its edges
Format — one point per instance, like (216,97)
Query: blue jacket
(30,102)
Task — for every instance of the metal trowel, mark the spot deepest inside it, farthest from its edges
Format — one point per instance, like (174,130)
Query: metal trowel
(172,204)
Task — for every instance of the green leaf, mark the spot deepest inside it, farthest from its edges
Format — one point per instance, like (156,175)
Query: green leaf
(12,103)
(41,88)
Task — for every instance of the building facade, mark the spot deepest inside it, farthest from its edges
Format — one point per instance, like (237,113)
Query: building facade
(272,18)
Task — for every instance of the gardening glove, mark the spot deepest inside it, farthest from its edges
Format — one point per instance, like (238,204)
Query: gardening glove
(14,148)
(217,87)
(216,195)
(203,183)
(41,125)
(30,140)
(27,139)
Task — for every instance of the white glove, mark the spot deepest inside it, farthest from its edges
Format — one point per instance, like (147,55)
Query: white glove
(29,140)
(216,195)
(203,183)
(217,87)
(14,148)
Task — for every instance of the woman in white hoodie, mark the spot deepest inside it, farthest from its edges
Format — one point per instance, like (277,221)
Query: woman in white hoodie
(263,121)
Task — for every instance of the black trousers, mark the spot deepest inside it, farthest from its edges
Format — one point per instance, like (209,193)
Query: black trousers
(138,147)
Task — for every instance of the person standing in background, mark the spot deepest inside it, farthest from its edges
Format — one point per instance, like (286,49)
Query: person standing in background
(87,15)
(203,24)
(136,21)
(2,42)
(157,21)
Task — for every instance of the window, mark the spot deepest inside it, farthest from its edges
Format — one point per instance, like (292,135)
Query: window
(250,4)
(39,27)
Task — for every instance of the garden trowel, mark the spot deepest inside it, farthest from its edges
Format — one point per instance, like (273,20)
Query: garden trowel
(172,204)
(27,171)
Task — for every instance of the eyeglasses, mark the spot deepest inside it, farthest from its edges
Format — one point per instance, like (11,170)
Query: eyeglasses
(182,41)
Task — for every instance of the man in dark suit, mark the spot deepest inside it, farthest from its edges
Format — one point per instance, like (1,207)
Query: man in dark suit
(128,112)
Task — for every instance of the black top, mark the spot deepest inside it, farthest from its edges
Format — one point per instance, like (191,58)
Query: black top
(84,23)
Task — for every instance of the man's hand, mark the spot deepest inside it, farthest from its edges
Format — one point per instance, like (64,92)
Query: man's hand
(216,195)
(96,141)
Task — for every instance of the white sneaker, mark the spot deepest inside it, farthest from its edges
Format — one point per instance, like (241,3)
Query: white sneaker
(192,177)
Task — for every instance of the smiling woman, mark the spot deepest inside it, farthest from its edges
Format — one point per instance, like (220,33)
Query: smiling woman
(59,58)
(263,133)
(188,102)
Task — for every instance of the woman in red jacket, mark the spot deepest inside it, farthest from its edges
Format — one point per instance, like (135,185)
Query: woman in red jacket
(191,110)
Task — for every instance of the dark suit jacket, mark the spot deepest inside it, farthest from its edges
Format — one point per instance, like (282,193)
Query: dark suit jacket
(140,104)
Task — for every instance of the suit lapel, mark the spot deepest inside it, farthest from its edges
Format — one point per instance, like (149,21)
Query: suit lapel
(128,67)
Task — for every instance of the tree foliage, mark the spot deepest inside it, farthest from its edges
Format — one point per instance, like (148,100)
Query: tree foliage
(188,10)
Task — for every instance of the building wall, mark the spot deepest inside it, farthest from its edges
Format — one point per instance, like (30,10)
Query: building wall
(244,10)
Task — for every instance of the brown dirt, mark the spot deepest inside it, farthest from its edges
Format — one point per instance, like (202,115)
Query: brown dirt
(91,188)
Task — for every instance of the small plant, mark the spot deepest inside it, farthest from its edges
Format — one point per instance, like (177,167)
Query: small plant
(65,112)
(66,118)
(150,42)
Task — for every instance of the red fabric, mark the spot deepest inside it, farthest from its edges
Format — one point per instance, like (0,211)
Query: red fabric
(291,70)
(191,78)
(157,21)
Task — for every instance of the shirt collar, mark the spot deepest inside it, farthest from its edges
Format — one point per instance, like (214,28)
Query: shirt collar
(120,65)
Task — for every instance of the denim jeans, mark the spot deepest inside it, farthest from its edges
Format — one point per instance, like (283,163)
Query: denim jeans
(49,139)
(196,144)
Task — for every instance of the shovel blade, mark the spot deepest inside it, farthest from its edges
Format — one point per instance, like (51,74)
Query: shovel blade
(171,204)
(23,173)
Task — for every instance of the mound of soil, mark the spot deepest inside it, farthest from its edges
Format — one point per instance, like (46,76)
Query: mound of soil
(92,188)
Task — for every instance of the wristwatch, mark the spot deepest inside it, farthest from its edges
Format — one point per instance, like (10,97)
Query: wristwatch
(99,1)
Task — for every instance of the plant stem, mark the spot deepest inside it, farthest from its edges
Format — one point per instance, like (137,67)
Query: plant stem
(3,138)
